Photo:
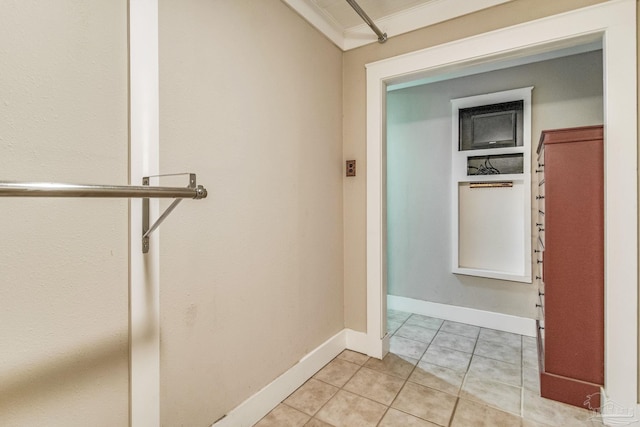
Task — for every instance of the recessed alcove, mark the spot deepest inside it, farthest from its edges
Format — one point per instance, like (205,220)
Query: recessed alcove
(491,145)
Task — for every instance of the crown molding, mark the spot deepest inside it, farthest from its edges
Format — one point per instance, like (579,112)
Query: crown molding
(313,16)
(395,24)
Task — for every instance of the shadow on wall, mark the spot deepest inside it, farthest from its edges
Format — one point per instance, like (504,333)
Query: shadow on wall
(64,373)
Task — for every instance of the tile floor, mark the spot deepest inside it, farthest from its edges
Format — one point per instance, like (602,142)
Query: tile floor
(438,373)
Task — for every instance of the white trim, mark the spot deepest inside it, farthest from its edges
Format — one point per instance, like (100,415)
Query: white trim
(471,316)
(314,17)
(399,23)
(414,18)
(616,21)
(144,286)
(362,343)
(357,341)
(621,206)
(376,227)
(611,413)
(588,46)
(257,406)
(260,404)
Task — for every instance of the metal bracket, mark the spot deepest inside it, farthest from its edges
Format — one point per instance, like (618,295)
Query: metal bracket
(146,230)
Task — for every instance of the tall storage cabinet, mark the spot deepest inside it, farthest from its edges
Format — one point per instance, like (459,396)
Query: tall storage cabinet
(570,261)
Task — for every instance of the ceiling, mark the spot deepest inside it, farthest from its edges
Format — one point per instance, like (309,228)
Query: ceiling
(340,12)
(342,25)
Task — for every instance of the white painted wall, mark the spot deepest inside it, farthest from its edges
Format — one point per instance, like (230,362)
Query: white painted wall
(251,277)
(568,92)
(63,262)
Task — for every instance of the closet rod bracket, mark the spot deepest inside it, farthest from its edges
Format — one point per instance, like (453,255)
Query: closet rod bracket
(200,193)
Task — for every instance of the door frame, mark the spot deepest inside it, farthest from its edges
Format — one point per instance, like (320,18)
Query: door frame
(144,281)
(615,23)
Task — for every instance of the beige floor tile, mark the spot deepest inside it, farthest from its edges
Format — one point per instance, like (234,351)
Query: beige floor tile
(353,357)
(529,343)
(337,372)
(471,414)
(530,363)
(531,379)
(498,395)
(437,377)
(447,358)
(393,364)
(426,403)
(554,413)
(375,385)
(406,347)
(424,321)
(395,418)
(311,396)
(314,422)
(426,352)
(350,410)
(503,352)
(397,315)
(416,333)
(530,423)
(393,326)
(283,416)
(463,329)
(496,370)
(454,342)
(501,337)
(530,358)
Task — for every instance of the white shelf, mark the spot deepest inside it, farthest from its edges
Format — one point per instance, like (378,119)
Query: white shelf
(492,233)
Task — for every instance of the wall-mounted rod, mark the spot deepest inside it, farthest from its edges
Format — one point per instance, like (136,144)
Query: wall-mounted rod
(145,192)
(382,37)
(49,189)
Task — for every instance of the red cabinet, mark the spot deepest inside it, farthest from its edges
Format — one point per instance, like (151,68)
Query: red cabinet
(571,263)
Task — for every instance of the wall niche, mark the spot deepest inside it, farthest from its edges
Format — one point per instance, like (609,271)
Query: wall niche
(491,177)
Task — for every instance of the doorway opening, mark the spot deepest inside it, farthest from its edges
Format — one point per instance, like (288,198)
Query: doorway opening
(424,204)
(614,24)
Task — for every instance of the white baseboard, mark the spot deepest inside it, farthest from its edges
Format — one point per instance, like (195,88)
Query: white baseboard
(260,404)
(612,413)
(471,316)
(357,341)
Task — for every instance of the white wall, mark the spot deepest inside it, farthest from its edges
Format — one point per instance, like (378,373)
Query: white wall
(568,92)
(63,262)
(251,277)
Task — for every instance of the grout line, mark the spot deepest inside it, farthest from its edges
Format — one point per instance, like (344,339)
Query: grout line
(411,373)
(522,377)
(406,380)
(333,385)
(455,408)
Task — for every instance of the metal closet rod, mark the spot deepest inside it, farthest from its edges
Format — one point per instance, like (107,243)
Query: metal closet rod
(50,189)
(145,192)
(382,37)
